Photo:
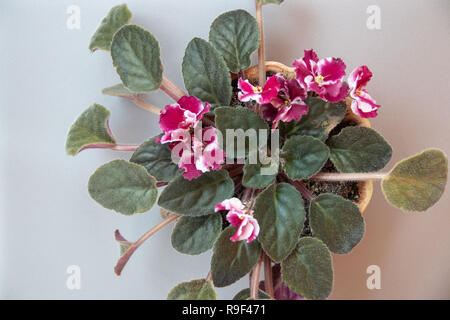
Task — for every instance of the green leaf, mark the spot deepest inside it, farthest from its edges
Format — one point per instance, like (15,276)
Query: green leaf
(157,159)
(418,182)
(308,270)
(243,120)
(89,129)
(124,187)
(359,149)
(244,294)
(281,214)
(116,18)
(319,121)
(200,289)
(235,34)
(270,1)
(303,156)
(232,260)
(205,73)
(119,90)
(199,196)
(195,235)
(253,178)
(337,222)
(135,54)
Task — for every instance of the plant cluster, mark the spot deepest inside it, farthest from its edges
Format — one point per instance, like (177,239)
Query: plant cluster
(236,155)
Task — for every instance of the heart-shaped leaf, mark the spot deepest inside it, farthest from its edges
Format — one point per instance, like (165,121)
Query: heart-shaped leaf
(303,156)
(124,187)
(232,260)
(119,90)
(195,235)
(157,159)
(359,149)
(281,214)
(199,196)
(244,125)
(336,221)
(90,129)
(245,294)
(308,270)
(199,289)
(235,35)
(319,121)
(206,74)
(418,182)
(135,54)
(116,18)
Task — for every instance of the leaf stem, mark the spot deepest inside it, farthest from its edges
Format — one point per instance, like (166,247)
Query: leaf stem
(334,176)
(246,195)
(161,184)
(116,147)
(123,147)
(209,276)
(145,105)
(268,278)
(254,279)
(126,256)
(261,57)
(301,187)
(236,171)
(171,89)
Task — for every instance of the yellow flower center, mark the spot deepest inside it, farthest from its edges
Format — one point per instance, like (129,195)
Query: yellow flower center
(358,92)
(319,79)
(242,218)
(258,89)
(286,102)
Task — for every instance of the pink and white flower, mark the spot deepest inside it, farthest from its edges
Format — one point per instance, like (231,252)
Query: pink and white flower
(325,76)
(363,104)
(288,105)
(242,217)
(258,93)
(181,116)
(198,154)
(195,149)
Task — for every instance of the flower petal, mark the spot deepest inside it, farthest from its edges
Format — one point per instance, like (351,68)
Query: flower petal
(233,204)
(171,117)
(332,69)
(245,86)
(359,78)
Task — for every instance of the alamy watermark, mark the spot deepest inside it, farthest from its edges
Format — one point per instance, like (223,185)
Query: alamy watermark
(251,144)
(73,281)
(374,20)
(374,280)
(73,21)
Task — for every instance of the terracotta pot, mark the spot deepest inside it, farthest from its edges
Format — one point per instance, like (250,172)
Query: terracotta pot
(365,188)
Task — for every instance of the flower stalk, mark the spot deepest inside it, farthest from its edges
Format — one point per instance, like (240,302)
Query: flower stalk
(254,279)
(261,54)
(268,278)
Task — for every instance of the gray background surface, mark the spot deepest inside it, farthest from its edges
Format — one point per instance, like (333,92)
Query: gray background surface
(48,77)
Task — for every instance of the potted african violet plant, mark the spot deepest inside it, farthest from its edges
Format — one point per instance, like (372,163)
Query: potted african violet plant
(267,165)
